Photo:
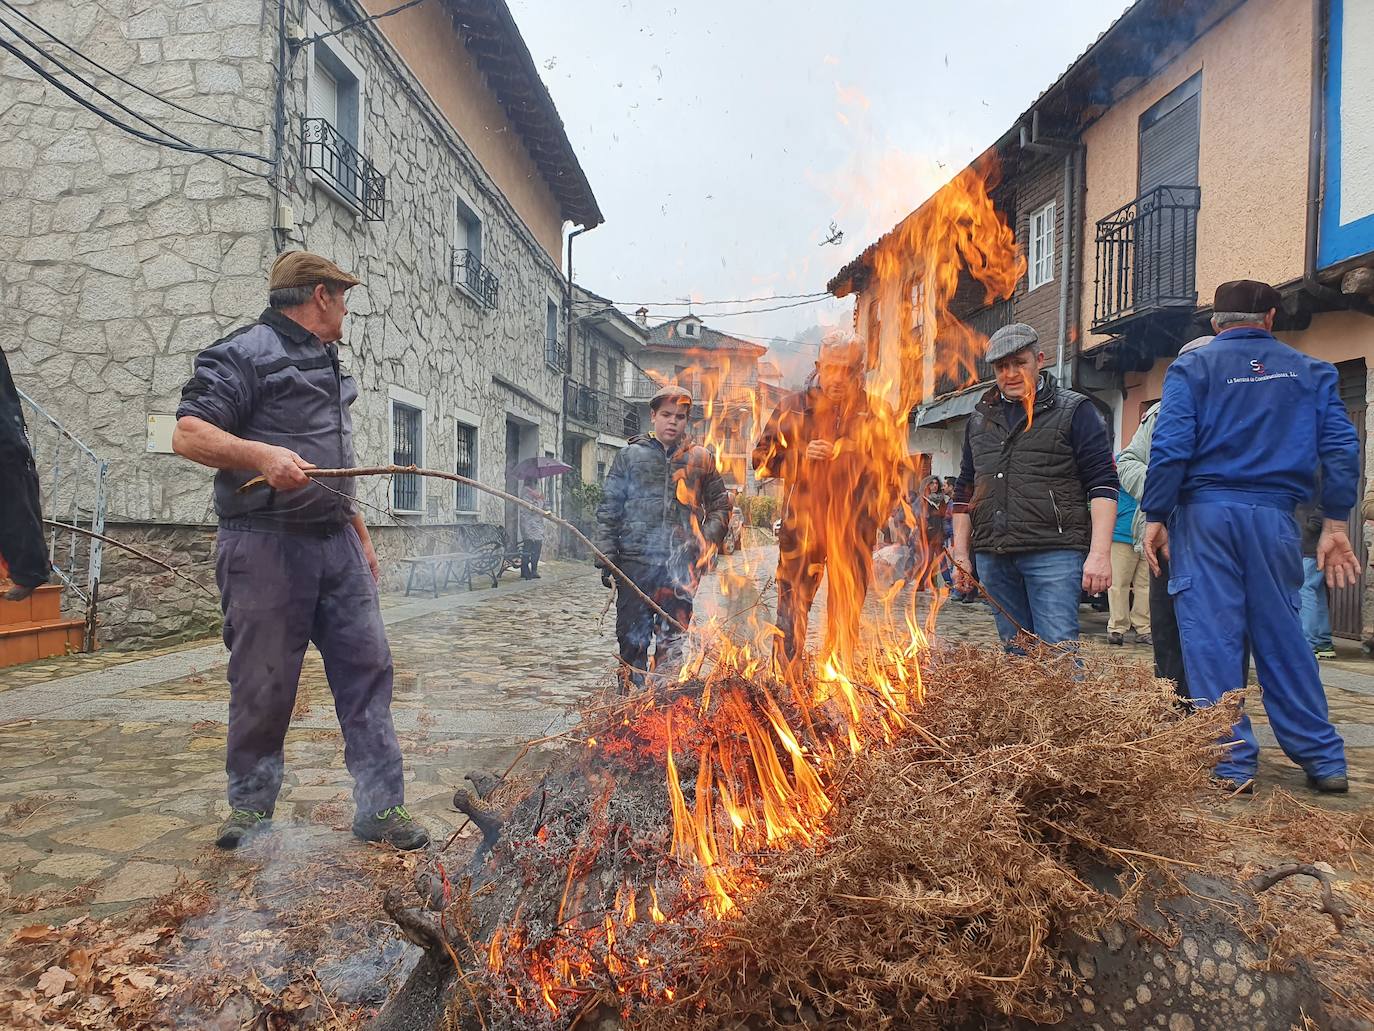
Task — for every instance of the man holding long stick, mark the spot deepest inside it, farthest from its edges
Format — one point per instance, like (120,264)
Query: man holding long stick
(295,563)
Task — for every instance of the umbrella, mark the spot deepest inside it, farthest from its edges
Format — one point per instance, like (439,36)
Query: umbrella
(537,468)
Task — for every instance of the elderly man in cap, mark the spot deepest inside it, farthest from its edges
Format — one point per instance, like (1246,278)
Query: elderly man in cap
(1035,502)
(1239,425)
(836,458)
(664,514)
(295,563)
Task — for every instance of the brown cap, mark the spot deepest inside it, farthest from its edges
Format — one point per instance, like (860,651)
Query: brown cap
(302,268)
(669,392)
(1246,295)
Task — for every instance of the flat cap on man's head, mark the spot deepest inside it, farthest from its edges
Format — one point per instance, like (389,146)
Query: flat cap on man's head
(669,392)
(1248,296)
(302,268)
(1008,340)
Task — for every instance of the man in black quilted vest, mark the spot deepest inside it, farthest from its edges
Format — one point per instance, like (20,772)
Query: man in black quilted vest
(1036,497)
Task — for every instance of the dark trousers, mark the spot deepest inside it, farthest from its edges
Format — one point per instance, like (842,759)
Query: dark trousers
(638,627)
(21,519)
(280,592)
(529,557)
(1168,646)
(799,578)
(1164,632)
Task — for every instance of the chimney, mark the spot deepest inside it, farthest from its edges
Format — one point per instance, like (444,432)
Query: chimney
(642,317)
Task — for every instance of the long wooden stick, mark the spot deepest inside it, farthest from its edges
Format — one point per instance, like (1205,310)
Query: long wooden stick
(132,551)
(394,470)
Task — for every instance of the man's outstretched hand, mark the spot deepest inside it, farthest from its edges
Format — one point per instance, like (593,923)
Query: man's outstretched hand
(606,579)
(1156,545)
(1335,556)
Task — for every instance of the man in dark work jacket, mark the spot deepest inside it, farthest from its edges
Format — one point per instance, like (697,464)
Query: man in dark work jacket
(1036,496)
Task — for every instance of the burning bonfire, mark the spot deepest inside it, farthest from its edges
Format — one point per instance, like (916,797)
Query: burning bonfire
(892,834)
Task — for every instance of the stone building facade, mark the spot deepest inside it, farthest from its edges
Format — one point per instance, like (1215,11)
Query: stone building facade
(120,260)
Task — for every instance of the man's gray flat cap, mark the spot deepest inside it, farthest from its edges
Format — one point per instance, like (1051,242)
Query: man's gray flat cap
(1009,340)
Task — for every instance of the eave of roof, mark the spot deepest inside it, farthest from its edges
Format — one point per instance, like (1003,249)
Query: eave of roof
(489,33)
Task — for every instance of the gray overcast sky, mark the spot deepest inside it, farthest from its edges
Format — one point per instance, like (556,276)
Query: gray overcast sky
(723,138)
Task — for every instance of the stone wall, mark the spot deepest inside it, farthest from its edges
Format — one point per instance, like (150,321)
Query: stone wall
(119,260)
(142,605)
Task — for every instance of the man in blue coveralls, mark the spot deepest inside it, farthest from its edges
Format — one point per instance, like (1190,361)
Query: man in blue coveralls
(1239,426)
(294,560)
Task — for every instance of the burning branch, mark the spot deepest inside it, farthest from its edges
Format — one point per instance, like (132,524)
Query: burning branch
(392,470)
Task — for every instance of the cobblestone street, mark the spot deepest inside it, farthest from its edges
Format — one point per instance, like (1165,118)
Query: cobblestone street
(113,763)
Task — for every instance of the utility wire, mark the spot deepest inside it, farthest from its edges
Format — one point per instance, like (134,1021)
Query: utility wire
(748,311)
(679,304)
(301,44)
(172,143)
(133,85)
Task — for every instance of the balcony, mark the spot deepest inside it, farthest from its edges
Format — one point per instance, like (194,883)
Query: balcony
(985,321)
(477,279)
(599,411)
(1147,258)
(342,169)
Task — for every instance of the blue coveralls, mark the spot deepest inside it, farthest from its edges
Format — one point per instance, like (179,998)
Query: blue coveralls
(1241,426)
(290,566)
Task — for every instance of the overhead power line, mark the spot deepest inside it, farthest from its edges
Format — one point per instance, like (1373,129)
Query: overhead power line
(108,71)
(301,44)
(727,314)
(707,304)
(166,138)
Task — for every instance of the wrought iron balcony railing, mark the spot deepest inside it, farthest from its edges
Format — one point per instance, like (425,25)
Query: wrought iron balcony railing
(335,160)
(600,410)
(1147,257)
(478,279)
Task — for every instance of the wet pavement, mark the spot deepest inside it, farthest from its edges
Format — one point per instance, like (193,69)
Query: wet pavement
(112,764)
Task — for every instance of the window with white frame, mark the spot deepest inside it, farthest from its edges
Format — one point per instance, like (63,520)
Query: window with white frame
(1041,247)
(407,448)
(334,87)
(465,464)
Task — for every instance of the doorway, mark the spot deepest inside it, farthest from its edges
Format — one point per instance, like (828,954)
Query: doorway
(1347,603)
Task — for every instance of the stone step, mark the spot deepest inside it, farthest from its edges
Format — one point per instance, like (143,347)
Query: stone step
(43,605)
(31,640)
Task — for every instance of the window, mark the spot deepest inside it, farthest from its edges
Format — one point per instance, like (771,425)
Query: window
(332,129)
(407,448)
(465,464)
(600,472)
(594,368)
(553,355)
(1041,249)
(689,329)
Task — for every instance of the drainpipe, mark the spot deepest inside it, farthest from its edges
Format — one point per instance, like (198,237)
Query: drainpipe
(1037,144)
(1314,164)
(567,358)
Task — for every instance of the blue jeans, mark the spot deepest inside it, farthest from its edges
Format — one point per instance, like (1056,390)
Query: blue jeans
(1316,617)
(1038,589)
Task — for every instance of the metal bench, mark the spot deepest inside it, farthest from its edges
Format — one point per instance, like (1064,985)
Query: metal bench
(481,548)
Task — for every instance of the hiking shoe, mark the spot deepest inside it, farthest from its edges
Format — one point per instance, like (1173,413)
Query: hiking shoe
(1144,639)
(1230,787)
(1326,653)
(1116,638)
(394,826)
(1337,785)
(241,825)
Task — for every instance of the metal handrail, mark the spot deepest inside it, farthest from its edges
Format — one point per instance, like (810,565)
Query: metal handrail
(75,494)
(331,156)
(1146,257)
(469,273)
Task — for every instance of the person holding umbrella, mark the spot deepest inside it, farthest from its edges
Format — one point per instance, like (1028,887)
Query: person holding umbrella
(529,525)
